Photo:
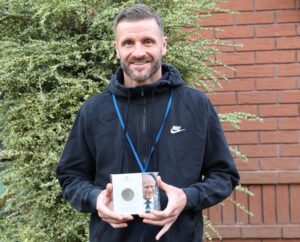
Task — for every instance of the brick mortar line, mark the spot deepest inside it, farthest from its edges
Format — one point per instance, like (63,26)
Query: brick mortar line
(262,181)
(243,228)
(289,204)
(267,77)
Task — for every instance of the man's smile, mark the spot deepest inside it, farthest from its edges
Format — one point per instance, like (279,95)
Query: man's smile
(139,63)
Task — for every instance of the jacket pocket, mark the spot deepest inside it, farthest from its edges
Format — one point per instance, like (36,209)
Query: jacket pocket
(98,230)
(185,155)
(183,230)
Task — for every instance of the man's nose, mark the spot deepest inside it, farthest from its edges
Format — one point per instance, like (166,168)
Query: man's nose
(138,51)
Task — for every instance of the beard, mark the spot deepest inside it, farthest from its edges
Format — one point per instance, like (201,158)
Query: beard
(155,65)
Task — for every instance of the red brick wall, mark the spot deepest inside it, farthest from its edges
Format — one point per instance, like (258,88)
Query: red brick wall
(266,82)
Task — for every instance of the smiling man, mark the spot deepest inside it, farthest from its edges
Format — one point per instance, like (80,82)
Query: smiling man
(149,188)
(140,47)
(146,121)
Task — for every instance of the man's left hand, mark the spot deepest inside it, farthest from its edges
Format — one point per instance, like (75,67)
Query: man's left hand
(166,218)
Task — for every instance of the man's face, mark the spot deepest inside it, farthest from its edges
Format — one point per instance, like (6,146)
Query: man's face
(140,46)
(148,187)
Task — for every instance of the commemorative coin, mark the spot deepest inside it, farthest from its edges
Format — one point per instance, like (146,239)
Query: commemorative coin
(127,194)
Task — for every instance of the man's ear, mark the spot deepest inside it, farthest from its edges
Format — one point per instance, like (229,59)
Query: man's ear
(164,45)
(116,48)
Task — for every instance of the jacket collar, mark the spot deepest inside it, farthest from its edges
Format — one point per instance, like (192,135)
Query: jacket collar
(170,78)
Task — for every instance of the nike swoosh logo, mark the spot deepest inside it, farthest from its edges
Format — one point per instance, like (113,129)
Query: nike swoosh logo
(175,131)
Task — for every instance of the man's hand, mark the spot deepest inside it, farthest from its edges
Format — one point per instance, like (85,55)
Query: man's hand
(105,209)
(166,218)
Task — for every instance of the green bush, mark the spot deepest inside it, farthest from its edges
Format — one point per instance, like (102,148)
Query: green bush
(54,54)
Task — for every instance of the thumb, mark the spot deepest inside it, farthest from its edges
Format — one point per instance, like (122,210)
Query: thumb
(109,188)
(164,186)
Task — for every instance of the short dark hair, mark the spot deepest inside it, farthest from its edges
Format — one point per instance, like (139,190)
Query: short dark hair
(138,12)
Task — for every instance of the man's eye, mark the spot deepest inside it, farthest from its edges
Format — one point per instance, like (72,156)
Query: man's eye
(128,43)
(148,42)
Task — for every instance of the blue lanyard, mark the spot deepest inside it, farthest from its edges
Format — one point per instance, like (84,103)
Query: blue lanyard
(143,168)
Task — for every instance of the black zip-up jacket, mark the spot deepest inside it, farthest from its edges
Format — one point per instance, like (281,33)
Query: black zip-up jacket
(196,158)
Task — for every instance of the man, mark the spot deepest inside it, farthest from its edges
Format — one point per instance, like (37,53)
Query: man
(146,121)
(149,188)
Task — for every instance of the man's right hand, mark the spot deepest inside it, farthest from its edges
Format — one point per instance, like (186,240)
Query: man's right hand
(105,209)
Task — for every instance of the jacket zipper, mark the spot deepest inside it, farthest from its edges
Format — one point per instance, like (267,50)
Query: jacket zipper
(142,233)
(144,148)
(144,127)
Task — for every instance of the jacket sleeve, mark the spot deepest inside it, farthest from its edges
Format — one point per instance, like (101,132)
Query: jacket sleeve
(76,169)
(219,173)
